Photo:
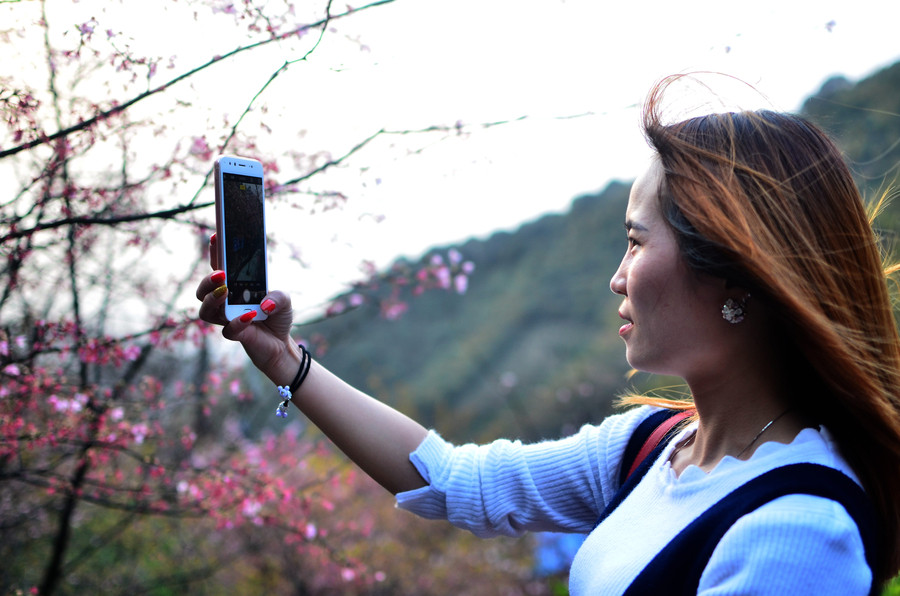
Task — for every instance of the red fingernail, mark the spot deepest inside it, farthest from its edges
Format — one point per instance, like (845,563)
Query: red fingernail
(267,306)
(248,316)
(212,239)
(218,277)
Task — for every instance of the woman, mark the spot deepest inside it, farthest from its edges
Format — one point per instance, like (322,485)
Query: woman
(751,272)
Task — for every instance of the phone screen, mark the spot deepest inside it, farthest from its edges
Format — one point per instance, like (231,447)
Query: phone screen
(245,238)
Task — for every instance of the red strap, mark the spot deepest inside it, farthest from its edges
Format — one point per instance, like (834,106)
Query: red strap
(656,436)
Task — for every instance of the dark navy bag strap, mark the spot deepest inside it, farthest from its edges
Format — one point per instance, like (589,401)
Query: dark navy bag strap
(637,448)
(629,474)
(680,564)
(663,434)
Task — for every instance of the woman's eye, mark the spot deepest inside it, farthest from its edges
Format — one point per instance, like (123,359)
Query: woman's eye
(632,242)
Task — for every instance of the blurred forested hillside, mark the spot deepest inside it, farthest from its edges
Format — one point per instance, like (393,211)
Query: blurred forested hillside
(530,346)
(864,119)
(531,350)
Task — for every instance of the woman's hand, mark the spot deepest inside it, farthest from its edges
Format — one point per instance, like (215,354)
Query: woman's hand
(377,437)
(268,343)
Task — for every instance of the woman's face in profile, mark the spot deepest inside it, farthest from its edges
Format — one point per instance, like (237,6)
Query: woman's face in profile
(672,315)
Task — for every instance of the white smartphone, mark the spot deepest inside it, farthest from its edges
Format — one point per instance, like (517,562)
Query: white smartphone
(241,234)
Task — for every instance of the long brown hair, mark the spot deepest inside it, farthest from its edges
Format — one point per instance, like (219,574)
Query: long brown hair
(766,201)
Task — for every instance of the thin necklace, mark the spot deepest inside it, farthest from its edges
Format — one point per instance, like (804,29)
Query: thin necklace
(744,450)
(764,429)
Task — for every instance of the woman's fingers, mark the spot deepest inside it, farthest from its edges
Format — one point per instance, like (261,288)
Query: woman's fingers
(235,329)
(210,283)
(213,252)
(277,306)
(212,293)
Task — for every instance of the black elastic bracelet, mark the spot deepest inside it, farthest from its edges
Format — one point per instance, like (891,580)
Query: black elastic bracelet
(286,392)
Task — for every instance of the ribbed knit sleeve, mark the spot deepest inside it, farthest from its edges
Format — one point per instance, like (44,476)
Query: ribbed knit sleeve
(507,487)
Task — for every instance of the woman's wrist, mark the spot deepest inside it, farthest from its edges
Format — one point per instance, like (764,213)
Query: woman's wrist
(286,392)
(282,369)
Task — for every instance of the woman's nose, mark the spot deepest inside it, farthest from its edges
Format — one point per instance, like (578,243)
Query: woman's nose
(617,283)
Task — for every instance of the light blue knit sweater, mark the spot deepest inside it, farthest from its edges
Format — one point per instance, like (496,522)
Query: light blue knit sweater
(796,544)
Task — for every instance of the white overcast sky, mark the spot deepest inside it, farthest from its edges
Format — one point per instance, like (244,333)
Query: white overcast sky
(432,62)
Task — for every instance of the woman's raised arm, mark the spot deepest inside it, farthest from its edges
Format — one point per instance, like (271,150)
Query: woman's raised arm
(375,436)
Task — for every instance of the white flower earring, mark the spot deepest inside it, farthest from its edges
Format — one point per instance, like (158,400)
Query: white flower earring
(733,311)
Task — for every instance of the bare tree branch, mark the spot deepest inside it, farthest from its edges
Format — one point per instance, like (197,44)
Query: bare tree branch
(109,221)
(278,72)
(174,211)
(85,124)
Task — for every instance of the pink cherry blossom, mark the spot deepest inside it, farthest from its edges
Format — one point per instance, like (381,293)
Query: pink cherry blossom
(461,283)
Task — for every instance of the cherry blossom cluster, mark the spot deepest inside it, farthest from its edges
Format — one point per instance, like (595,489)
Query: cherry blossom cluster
(113,398)
(141,454)
(392,290)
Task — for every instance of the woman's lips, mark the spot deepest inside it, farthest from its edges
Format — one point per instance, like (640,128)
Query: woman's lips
(627,326)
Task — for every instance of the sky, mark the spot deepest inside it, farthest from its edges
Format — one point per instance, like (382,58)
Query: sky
(577,70)
(567,77)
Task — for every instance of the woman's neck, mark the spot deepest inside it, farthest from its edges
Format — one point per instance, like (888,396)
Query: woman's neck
(736,415)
